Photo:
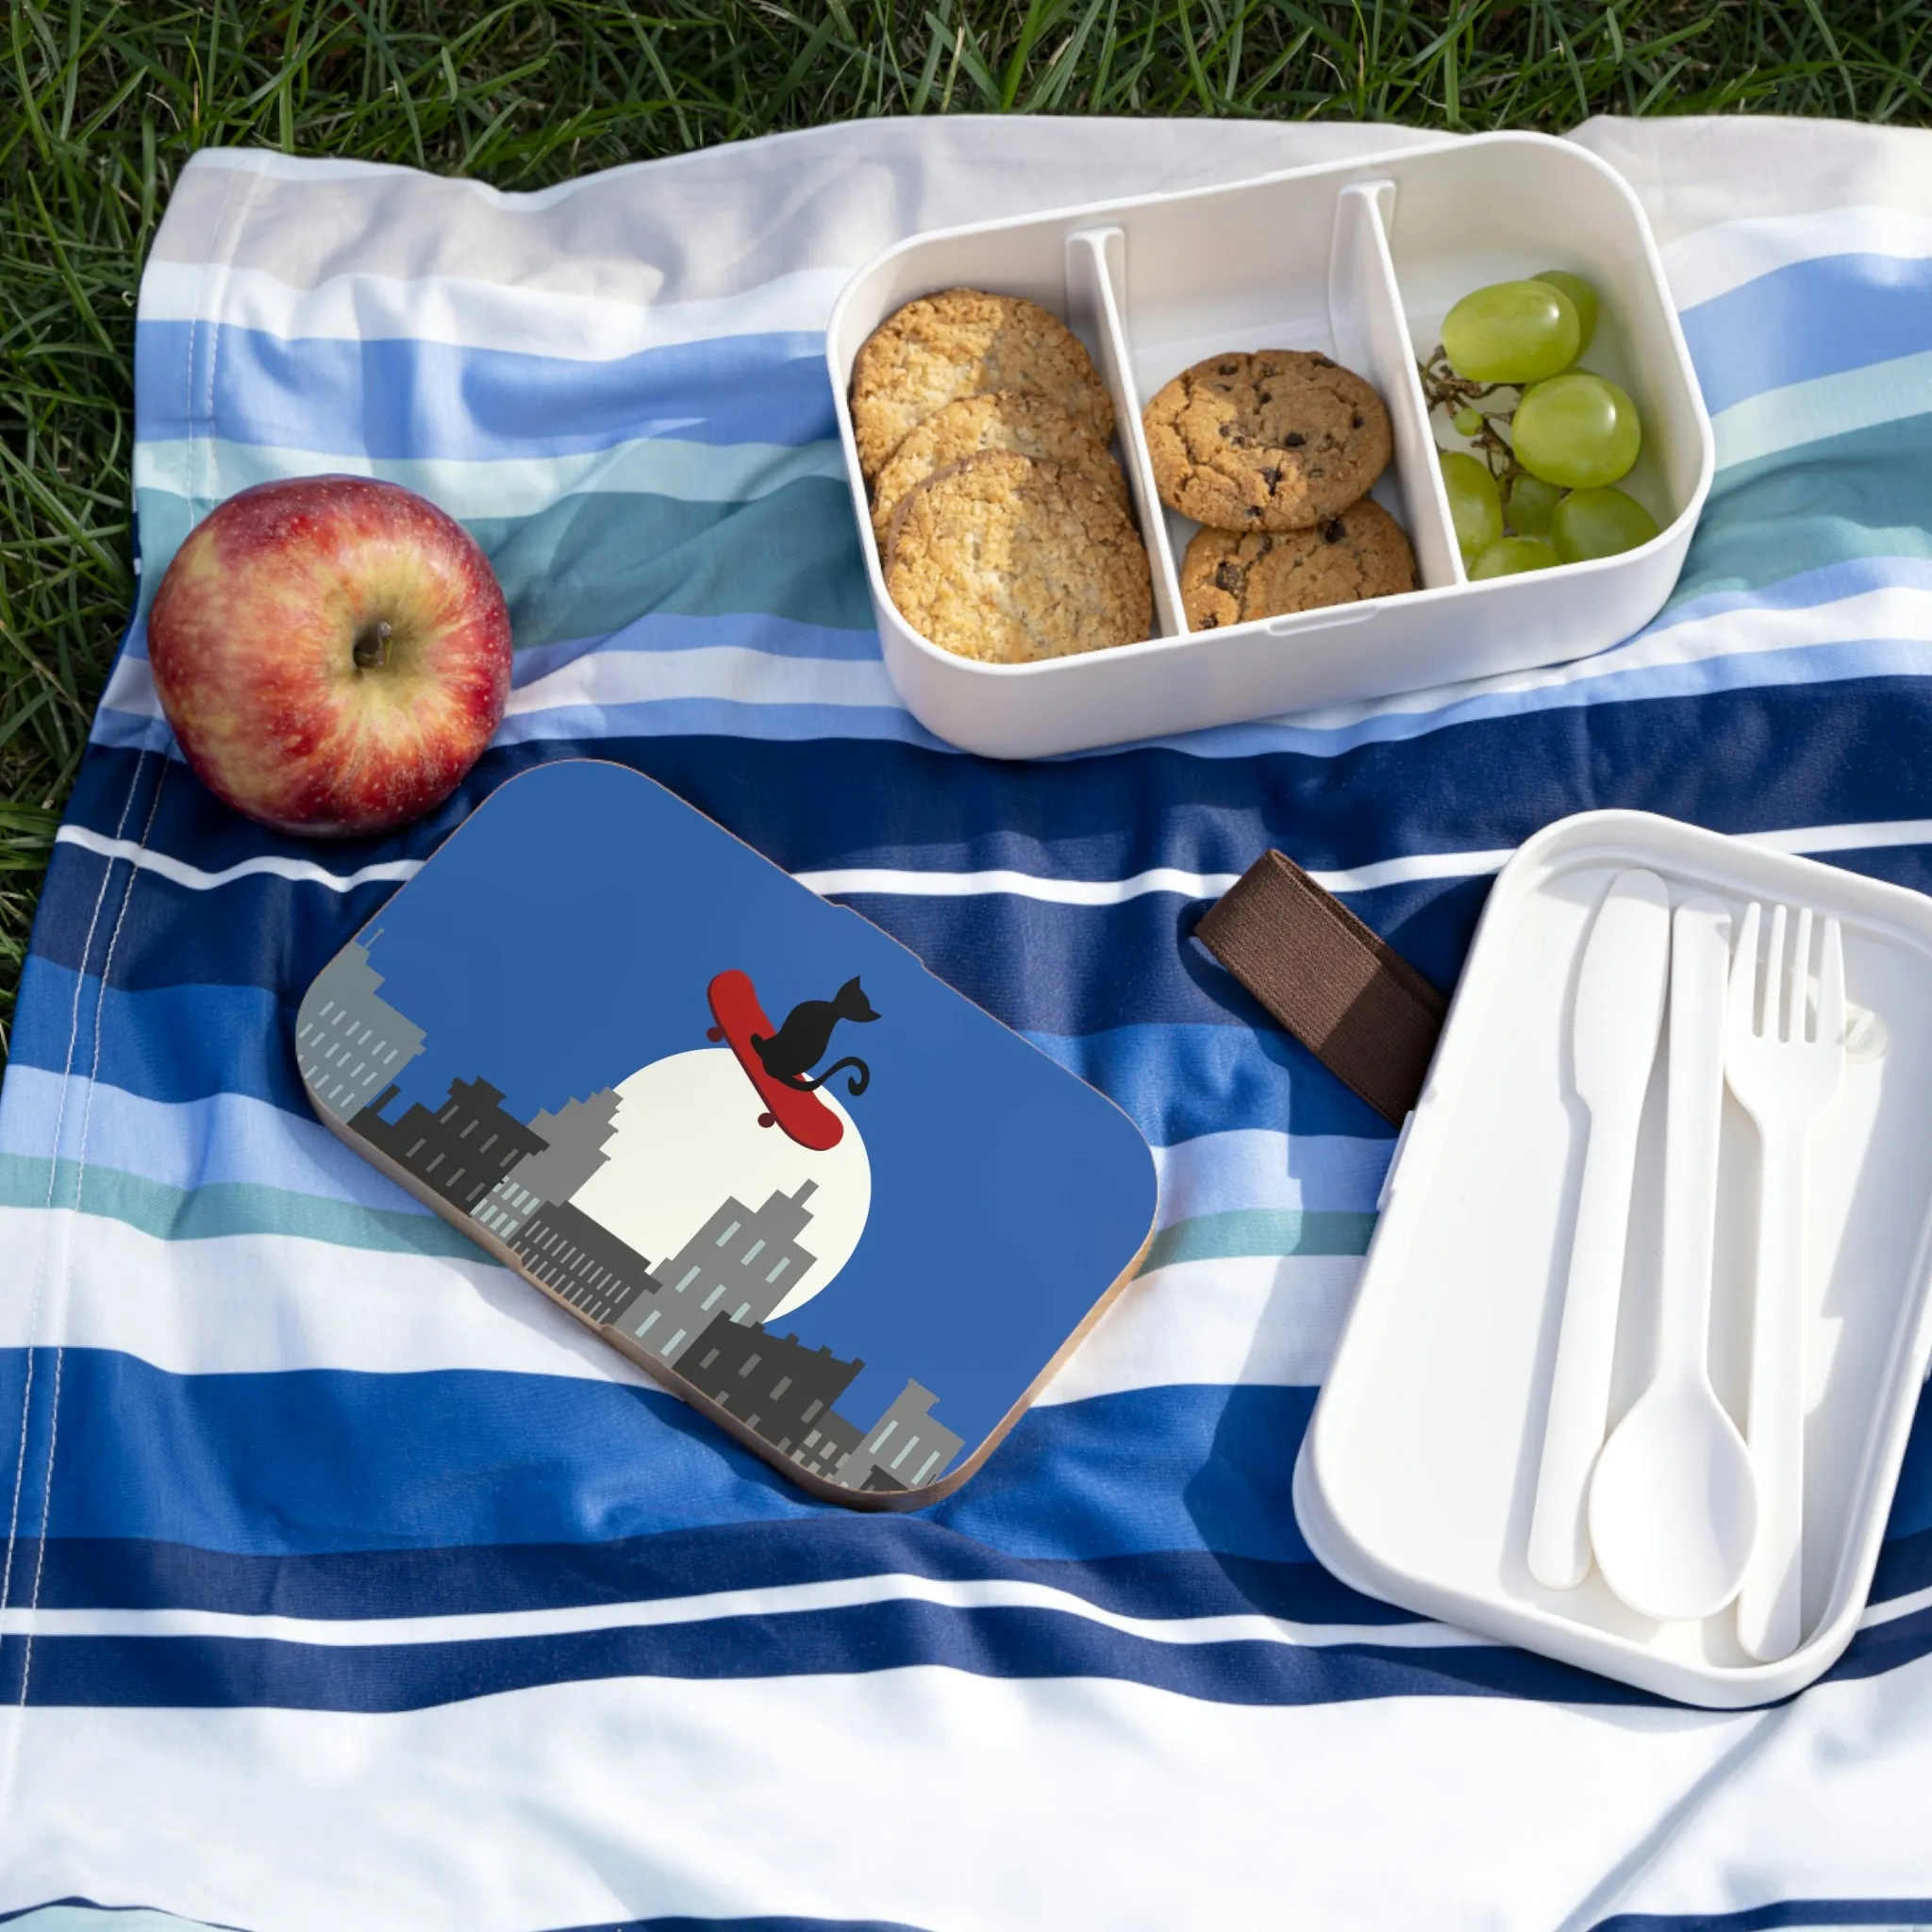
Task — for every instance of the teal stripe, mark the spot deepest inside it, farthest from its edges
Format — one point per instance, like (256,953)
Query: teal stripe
(1865,493)
(227,1208)
(1243,1231)
(590,564)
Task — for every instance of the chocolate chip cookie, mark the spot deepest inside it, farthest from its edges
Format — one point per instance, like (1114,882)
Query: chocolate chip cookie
(1276,440)
(1230,578)
(1009,559)
(1014,418)
(963,343)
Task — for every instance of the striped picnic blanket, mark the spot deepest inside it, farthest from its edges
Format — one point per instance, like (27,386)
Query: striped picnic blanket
(347,1583)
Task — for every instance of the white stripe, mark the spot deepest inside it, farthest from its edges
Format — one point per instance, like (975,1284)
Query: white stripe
(1894,1607)
(731,671)
(1714,260)
(203,1308)
(257,1304)
(570,325)
(1827,405)
(779,1600)
(181,874)
(1079,1805)
(1248,1321)
(884,881)
(510,486)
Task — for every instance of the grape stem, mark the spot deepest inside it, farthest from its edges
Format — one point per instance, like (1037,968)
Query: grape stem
(1442,389)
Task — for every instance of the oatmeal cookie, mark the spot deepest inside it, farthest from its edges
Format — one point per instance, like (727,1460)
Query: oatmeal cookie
(1228,579)
(1015,418)
(1007,559)
(961,342)
(1276,440)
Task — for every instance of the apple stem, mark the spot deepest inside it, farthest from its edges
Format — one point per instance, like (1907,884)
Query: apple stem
(372,648)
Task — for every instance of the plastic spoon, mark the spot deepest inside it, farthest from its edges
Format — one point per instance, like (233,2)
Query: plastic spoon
(1673,1501)
(1620,1009)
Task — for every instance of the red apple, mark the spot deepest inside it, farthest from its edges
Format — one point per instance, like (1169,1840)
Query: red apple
(332,652)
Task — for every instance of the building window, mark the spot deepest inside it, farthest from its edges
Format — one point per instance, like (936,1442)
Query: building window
(752,1253)
(644,1326)
(488,1145)
(708,1360)
(784,1383)
(468,1129)
(906,1449)
(925,1469)
(413,1151)
(784,1262)
(673,1343)
(711,1299)
(690,1274)
(729,1232)
(436,1163)
(456,1176)
(811,1440)
(751,1361)
(879,1442)
(812,1412)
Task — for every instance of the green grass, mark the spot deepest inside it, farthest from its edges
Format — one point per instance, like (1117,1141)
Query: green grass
(101,102)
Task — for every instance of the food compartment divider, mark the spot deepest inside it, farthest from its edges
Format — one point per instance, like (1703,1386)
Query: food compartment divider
(1372,337)
(1096,276)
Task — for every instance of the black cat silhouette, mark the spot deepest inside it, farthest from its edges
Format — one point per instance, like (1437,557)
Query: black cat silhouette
(801,1042)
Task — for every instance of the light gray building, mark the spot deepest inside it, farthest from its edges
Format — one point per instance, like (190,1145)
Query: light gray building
(575,1138)
(904,1449)
(740,1264)
(349,1043)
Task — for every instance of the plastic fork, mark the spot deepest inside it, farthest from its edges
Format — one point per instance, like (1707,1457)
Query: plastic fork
(1784,1077)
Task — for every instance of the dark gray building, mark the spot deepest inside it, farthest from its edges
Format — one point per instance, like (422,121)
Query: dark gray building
(777,1387)
(740,1264)
(462,1149)
(350,1044)
(581,1260)
(574,1140)
(904,1449)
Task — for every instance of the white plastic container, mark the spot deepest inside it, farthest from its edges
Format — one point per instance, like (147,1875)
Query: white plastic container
(1358,261)
(1417,1475)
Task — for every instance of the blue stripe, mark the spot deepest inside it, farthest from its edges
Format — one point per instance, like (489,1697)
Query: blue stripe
(1009,1643)
(327,1462)
(1808,319)
(1882,1914)
(79,1573)
(317,1461)
(1733,760)
(398,398)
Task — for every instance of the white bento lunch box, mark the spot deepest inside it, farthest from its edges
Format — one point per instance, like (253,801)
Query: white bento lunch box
(1359,261)
(1418,1474)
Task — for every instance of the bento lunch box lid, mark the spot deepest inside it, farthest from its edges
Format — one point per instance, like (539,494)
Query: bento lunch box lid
(736,1130)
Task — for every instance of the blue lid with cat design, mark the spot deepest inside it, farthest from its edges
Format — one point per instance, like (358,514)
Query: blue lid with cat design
(737,1129)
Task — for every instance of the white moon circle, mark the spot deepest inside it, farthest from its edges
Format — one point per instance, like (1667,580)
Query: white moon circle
(687,1135)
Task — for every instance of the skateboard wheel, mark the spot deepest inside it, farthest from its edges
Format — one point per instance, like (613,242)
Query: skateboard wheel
(766,1120)
(714,1033)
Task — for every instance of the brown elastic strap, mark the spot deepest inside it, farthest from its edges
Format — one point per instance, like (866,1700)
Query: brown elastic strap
(1353,1001)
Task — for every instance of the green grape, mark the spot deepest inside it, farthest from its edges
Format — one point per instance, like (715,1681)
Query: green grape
(1599,523)
(1582,298)
(1510,555)
(1467,422)
(1579,431)
(1474,502)
(1513,332)
(1530,505)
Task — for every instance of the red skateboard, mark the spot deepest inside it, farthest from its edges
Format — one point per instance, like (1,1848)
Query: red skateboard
(804,1117)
